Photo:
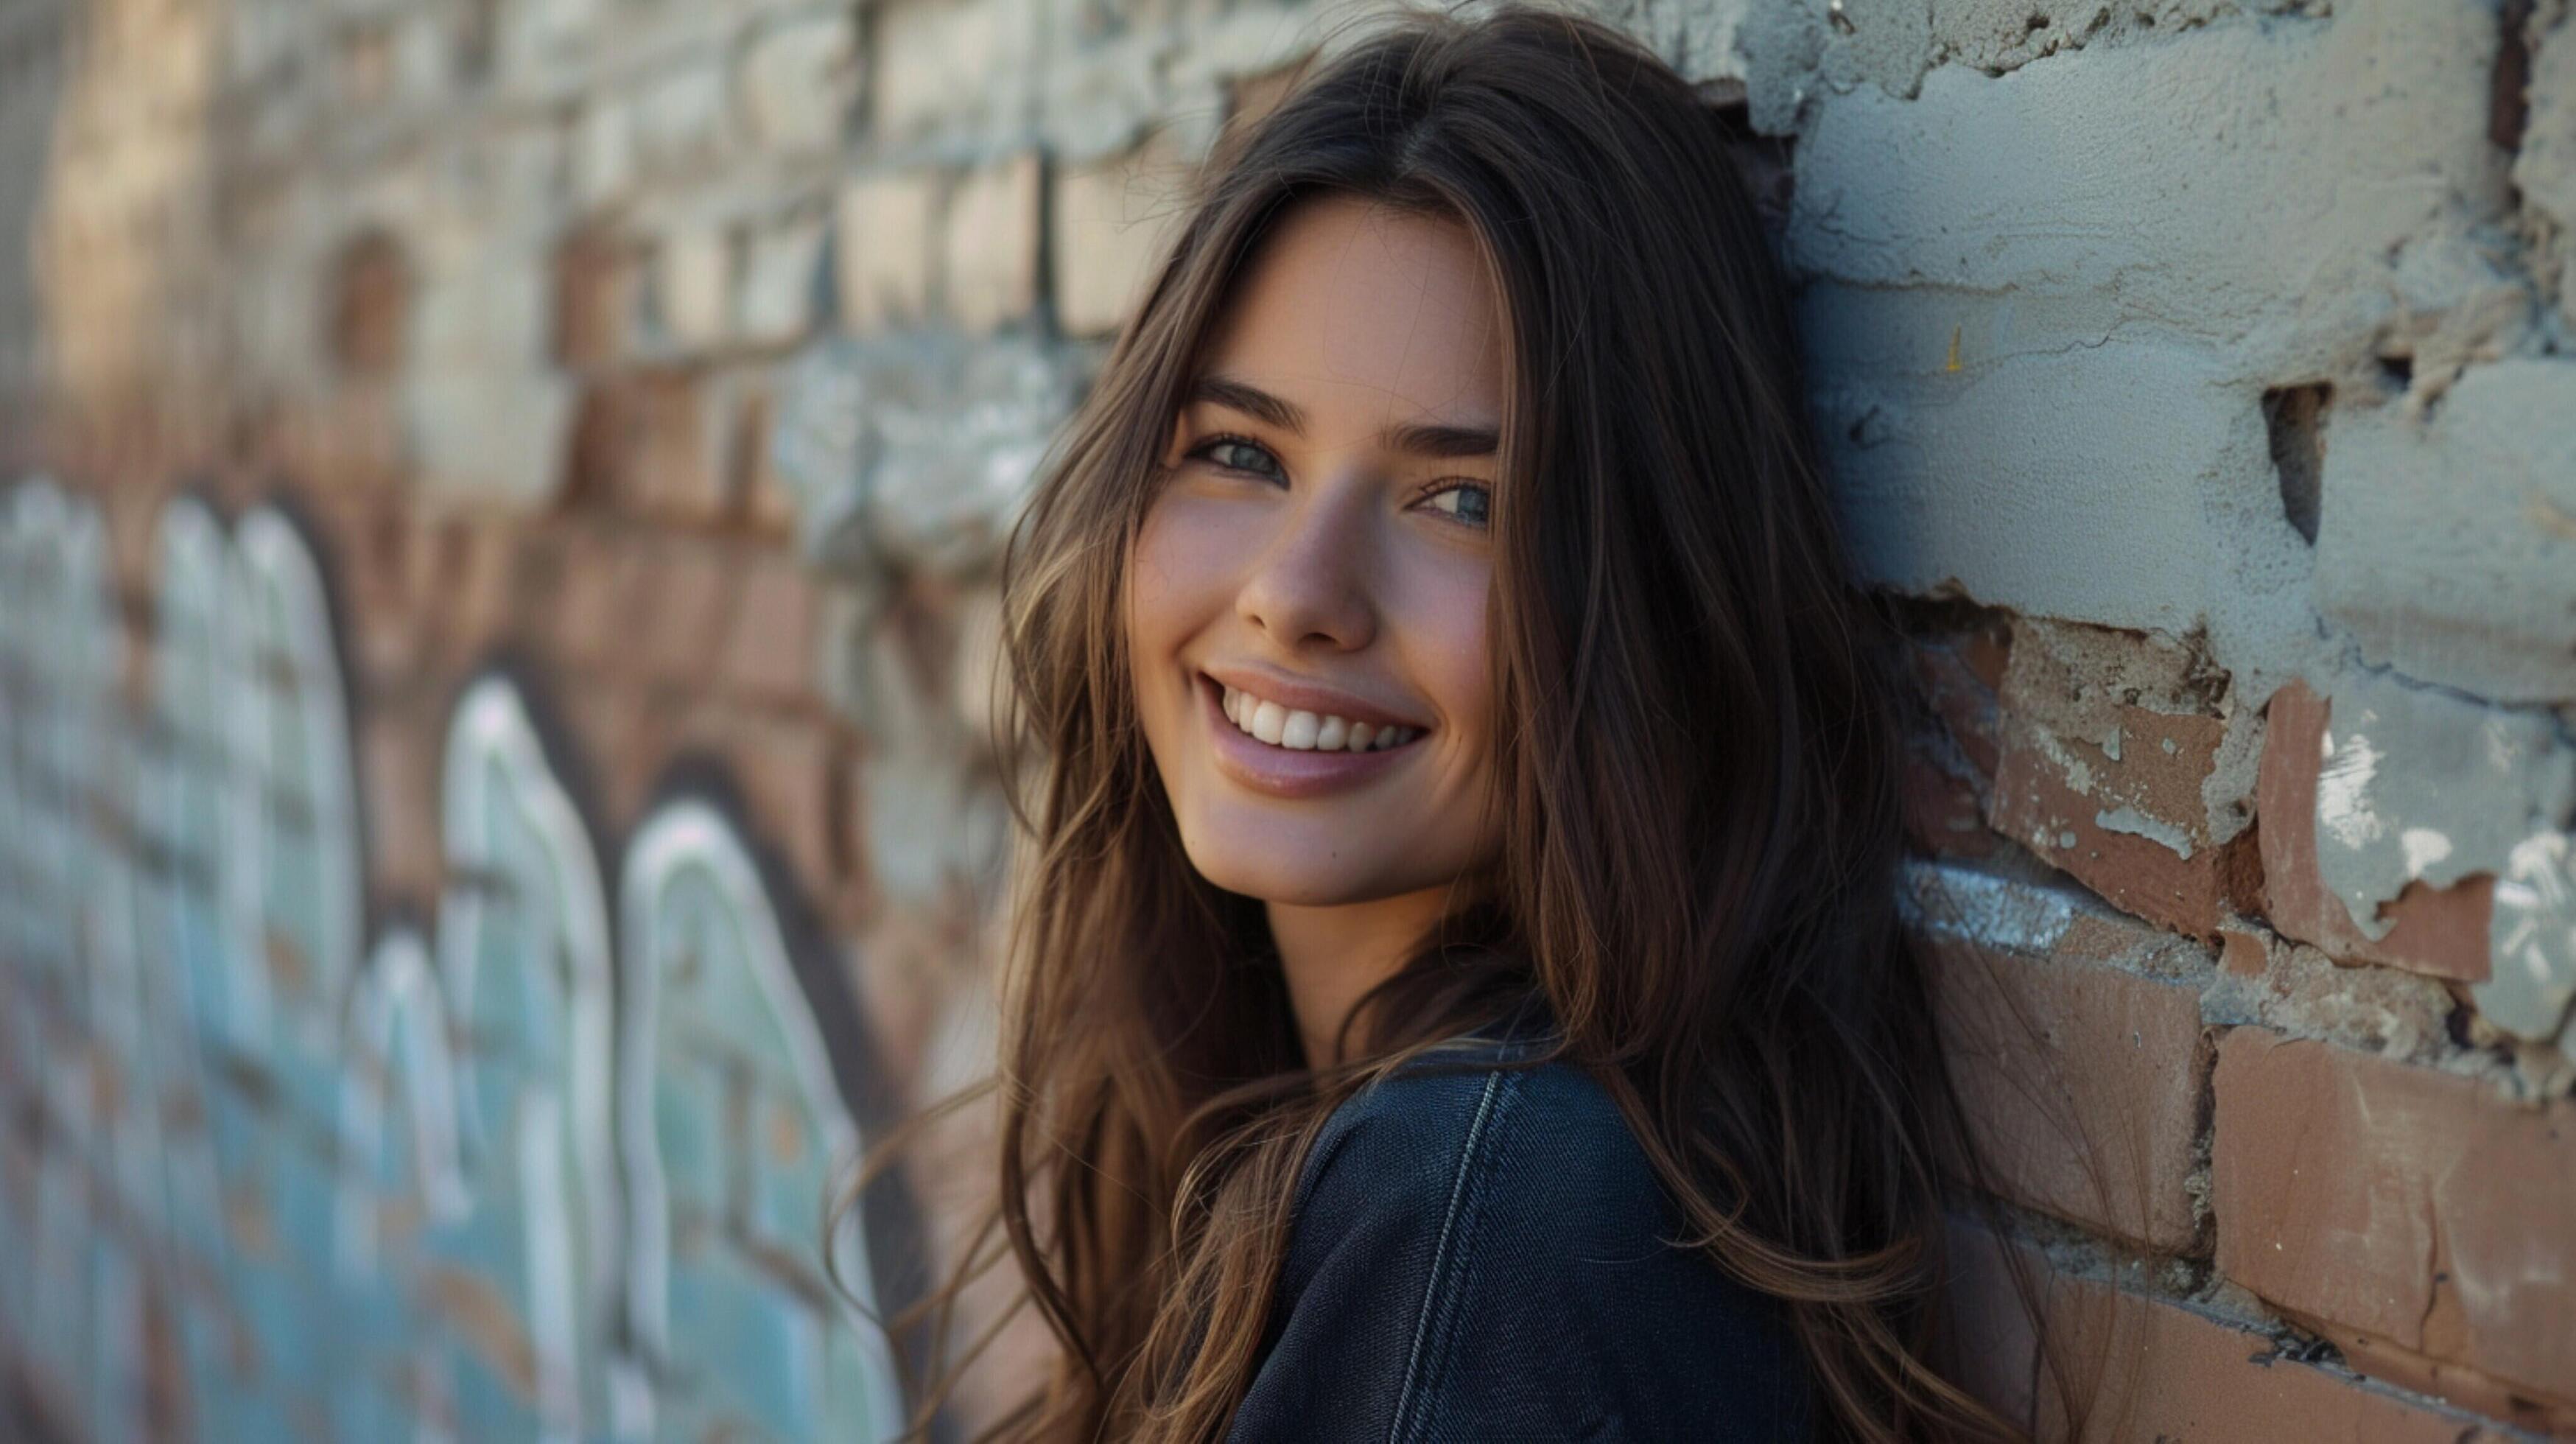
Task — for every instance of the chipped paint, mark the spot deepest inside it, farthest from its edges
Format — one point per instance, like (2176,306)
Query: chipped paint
(2343,789)
(2424,847)
(2532,943)
(2416,784)
(2131,820)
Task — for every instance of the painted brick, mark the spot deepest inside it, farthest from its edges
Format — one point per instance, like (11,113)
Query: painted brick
(2145,1367)
(1112,220)
(2113,404)
(693,274)
(780,280)
(2084,1078)
(992,244)
(2107,745)
(935,59)
(795,79)
(2441,931)
(2450,546)
(2400,1204)
(882,235)
(681,119)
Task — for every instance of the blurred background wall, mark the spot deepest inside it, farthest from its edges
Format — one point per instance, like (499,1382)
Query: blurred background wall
(496,624)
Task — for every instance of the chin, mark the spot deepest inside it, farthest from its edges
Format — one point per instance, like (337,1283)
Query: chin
(1297,877)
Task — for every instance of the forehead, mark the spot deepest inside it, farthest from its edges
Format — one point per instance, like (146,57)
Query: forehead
(1364,314)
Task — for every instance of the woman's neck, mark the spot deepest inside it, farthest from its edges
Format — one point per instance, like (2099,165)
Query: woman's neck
(1331,956)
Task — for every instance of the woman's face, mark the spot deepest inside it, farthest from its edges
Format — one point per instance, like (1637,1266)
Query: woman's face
(1306,604)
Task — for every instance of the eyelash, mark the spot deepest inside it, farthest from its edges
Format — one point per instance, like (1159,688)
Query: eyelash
(1229,438)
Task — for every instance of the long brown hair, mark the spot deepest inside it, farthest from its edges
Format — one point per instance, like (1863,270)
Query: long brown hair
(1698,789)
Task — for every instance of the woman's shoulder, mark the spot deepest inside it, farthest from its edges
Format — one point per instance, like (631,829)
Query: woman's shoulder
(1478,1114)
(1486,1245)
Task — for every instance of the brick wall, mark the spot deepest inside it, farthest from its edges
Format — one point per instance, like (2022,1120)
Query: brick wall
(496,626)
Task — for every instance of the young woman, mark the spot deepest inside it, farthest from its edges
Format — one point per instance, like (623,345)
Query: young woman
(1459,992)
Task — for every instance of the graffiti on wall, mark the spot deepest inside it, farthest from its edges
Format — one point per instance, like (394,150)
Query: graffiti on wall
(555,1164)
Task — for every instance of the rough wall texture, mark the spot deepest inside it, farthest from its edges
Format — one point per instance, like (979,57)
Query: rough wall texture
(495,600)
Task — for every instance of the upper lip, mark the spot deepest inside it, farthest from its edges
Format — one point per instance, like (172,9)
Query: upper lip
(1313,697)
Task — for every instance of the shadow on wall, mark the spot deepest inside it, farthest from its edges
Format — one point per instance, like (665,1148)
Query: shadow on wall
(557,1167)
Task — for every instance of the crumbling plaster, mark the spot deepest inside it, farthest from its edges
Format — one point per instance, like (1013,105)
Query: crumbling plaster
(2052,258)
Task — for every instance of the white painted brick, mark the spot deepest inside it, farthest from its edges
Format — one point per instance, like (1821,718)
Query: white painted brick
(1111,222)
(692,285)
(2130,243)
(796,80)
(942,59)
(776,304)
(679,117)
(882,243)
(2448,544)
(992,244)
(2545,170)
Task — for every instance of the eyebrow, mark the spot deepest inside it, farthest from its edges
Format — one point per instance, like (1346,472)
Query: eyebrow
(1420,438)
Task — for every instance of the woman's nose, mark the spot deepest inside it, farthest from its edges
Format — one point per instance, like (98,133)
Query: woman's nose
(1309,587)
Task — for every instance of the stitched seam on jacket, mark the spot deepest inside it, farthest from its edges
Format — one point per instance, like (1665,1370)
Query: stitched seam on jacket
(1440,1257)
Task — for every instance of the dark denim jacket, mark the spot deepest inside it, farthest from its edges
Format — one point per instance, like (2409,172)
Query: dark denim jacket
(1478,1255)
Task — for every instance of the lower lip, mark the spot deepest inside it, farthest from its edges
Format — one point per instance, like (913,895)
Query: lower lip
(1285,771)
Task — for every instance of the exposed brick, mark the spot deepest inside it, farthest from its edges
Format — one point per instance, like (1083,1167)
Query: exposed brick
(882,245)
(2107,738)
(692,584)
(2083,1078)
(795,777)
(1951,757)
(777,624)
(594,278)
(590,622)
(2437,930)
(2143,1367)
(659,448)
(398,759)
(2400,1204)
(992,243)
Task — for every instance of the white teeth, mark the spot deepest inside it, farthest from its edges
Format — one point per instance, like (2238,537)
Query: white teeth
(1308,731)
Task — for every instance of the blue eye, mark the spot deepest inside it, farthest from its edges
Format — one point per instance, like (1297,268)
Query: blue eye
(1234,453)
(1466,501)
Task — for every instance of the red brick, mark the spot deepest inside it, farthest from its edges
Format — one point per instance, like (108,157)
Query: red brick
(777,623)
(676,468)
(2438,931)
(2083,1079)
(589,624)
(645,442)
(2085,806)
(399,768)
(2401,1205)
(2152,1368)
(688,583)
(1950,767)
(795,776)
(594,294)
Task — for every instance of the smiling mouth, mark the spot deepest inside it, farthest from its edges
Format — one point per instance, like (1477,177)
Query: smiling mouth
(1294,730)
